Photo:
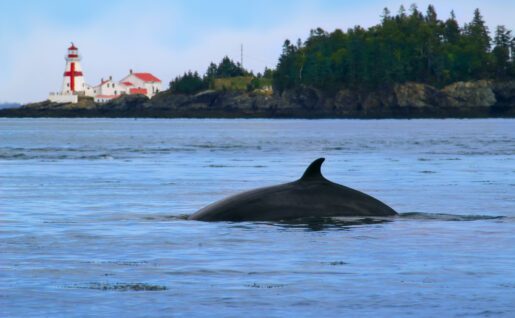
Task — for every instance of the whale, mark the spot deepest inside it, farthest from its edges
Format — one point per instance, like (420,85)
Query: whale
(310,196)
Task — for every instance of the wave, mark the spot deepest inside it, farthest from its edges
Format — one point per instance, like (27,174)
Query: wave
(88,153)
(121,287)
(449,217)
(55,156)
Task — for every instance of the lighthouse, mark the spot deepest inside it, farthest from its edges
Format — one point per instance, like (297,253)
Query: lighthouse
(75,86)
(73,81)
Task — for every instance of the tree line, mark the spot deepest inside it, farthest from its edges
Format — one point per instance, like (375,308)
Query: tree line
(407,46)
(192,82)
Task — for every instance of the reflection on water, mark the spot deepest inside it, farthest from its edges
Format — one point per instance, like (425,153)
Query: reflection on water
(93,219)
(335,223)
(347,223)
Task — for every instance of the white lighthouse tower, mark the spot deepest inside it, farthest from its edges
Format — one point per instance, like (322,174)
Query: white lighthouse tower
(73,79)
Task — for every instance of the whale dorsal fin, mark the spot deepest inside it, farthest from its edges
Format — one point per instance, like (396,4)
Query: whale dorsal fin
(313,171)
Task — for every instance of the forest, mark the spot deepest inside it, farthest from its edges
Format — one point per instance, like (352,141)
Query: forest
(408,46)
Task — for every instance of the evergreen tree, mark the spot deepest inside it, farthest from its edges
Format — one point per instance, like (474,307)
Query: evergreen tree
(402,12)
(452,30)
(211,71)
(478,31)
(227,68)
(475,47)
(502,51)
(189,83)
(386,15)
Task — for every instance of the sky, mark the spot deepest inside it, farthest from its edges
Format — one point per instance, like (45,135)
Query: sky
(167,38)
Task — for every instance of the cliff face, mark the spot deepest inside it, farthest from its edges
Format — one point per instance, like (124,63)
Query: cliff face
(480,98)
(410,100)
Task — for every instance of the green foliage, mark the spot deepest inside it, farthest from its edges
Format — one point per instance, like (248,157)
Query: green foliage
(259,83)
(237,83)
(227,75)
(504,45)
(189,83)
(410,46)
(226,68)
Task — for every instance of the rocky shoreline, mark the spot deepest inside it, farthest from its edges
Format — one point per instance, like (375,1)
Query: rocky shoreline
(475,99)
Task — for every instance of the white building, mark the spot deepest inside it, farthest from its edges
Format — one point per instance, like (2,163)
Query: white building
(74,85)
(142,83)
(107,90)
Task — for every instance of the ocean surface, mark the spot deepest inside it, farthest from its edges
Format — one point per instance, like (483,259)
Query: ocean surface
(92,219)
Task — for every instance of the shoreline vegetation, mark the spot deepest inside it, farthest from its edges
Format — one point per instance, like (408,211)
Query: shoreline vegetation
(410,65)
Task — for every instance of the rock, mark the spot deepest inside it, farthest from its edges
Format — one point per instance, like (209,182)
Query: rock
(126,103)
(84,103)
(346,101)
(304,97)
(410,100)
(379,101)
(470,94)
(504,93)
(418,95)
(207,98)
(41,105)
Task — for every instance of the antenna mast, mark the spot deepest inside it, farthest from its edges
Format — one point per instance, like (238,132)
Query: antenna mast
(241,56)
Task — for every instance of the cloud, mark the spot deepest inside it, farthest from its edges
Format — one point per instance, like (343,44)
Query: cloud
(164,40)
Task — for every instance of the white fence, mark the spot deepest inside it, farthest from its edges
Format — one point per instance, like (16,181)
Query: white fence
(63,98)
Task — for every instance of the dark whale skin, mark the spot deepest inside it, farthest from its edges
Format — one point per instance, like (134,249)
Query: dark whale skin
(310,196)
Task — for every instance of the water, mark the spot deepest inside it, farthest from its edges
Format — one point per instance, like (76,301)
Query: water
(91,219)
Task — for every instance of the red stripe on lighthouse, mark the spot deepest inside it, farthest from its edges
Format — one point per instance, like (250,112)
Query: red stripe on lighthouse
(72,77)
(77,73)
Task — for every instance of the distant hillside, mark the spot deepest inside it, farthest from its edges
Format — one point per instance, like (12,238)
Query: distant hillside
(407,47)
(9,105)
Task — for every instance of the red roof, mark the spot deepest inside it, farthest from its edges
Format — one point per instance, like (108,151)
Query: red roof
(127,83)
(72,47)
(147,77)
(142,91)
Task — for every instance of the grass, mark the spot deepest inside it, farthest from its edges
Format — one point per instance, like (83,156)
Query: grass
(232,83)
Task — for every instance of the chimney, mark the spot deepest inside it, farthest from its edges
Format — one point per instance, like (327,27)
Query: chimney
(110,78)
(130,71)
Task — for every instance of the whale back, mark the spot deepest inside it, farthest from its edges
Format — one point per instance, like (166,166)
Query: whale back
(311,195)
